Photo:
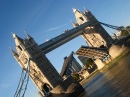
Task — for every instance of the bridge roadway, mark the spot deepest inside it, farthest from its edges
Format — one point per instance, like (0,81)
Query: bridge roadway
(92,52)
(69,35)
(63,38)
(113,82)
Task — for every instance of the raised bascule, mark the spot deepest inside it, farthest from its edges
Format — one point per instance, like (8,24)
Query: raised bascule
(43,74)
(70,66)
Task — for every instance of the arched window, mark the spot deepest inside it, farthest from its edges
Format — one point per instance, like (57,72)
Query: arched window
(81,18)
(20,48)
(46,89)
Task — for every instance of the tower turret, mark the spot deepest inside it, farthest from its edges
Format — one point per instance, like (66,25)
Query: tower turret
(86,10)
(14,53)
(95,34)
(28,36)
(74,10)
(19,42)
(16,56)
(80,17)
(17,39)
(74,24)
(42,72)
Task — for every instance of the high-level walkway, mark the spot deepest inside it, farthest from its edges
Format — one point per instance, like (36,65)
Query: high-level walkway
(113,82)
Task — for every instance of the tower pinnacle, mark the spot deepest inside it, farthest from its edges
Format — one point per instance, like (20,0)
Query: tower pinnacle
(14,35)
(13,52)
(86,10)
(28,36)
(17,39)
(74,24)
(74,10)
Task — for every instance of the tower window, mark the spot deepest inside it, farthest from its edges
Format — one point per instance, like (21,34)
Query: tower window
(20,48)
(81,18)
(94,35)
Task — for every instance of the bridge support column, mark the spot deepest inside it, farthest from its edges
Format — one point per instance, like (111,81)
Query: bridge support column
(68,88)
(99,64)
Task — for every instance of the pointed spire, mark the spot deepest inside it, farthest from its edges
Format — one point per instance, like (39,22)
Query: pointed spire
(13,52)
(72,21)
(86,10)
(28,36)
(17,39)
(74,24)
(13,34)
(74,10)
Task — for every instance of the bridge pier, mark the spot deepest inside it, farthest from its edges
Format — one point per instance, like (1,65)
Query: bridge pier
(68,88)
(99,64)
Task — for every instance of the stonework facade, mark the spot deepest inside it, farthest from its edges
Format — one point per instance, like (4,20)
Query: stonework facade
(95,35)
(42,72)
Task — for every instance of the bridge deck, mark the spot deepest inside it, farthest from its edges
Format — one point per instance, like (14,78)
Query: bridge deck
(63,38)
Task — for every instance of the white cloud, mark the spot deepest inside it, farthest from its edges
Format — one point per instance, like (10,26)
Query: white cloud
(54,28)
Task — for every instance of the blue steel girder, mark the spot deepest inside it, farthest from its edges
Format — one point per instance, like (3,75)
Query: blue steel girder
(63,38)
(113,27)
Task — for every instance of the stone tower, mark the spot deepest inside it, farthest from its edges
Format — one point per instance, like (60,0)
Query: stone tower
(42,72)
(95,35)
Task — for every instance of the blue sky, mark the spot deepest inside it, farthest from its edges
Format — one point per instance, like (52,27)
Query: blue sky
(44,20)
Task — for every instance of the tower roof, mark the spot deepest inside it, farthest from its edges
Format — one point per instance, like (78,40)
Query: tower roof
(74,10)
(17,39)
(74,24)
(28,36)
(86,10)
(13,52)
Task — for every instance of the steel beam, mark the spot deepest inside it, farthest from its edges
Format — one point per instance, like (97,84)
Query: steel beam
(63,38)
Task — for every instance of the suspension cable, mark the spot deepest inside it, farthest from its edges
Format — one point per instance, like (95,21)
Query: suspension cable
(113,27)
(23,82)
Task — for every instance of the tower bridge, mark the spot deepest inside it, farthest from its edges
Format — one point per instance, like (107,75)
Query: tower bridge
(87,26)
(42,72)
(63,38)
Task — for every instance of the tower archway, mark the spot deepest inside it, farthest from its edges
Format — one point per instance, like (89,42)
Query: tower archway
(46,89)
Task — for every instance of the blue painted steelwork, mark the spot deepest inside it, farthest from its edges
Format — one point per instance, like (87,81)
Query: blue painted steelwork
(113,27)
(69,35)
(63,38)
(23,82)
(51,45)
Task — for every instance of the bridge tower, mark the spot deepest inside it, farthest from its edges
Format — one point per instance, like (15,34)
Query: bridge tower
(42,72)
(95,35)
